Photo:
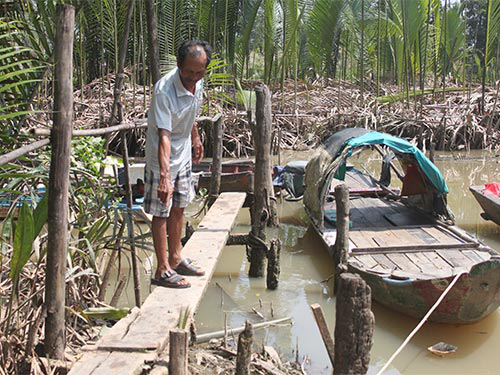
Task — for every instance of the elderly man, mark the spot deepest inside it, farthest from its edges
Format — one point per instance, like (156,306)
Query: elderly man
(172,141)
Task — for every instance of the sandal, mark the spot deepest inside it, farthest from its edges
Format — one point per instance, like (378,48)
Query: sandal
(187,268)
(170,279)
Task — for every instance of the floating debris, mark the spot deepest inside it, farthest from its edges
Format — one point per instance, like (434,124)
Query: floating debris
(442,348)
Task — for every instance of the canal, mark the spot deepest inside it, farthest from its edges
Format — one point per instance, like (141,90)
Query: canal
(304,280)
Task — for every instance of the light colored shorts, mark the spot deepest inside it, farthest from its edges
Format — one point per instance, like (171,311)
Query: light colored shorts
(182,196)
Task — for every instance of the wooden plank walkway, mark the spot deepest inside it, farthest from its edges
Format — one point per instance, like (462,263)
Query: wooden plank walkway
(144,333)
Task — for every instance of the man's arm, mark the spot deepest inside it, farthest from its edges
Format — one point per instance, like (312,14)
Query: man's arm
(165,187)
(197,145)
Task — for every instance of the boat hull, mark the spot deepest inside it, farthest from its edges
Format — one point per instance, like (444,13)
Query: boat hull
(488,202)
(475,295)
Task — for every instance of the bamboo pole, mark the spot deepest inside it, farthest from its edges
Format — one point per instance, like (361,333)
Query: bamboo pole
(217,334)
(13,155)
(130,224)
(57,240)
(99,131)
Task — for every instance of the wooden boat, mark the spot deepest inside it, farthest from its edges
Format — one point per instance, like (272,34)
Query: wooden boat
(403,244)
(236,176)
(490,203)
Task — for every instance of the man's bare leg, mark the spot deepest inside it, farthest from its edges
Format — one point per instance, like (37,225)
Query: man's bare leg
(159,230)
(175,222)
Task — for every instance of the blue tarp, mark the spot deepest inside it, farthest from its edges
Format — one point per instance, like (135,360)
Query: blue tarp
(401,145)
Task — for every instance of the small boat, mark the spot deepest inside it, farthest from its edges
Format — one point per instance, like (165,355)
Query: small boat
(236,176)
(402,242)
(489,202)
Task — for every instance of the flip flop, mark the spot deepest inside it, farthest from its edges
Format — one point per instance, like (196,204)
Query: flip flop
(187,268)
(170,279)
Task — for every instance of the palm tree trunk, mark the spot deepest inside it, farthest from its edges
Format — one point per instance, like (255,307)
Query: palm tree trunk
(154,53)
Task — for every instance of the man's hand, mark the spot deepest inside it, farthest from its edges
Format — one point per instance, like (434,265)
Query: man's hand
(165,189)
(197,150)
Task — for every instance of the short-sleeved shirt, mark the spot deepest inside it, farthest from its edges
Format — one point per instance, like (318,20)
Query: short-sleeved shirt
(172,108)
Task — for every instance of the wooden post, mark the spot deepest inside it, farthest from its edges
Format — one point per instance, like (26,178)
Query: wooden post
(178,352)
(354,326)
(154,51)
(130,223)
(57,240)
(342,239)
(217,133)
(244,356)
(263,211)
(273,265)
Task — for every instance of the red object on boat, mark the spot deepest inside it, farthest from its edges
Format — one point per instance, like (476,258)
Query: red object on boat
(493,188)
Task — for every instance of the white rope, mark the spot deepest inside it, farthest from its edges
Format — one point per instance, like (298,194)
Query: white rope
(414,332)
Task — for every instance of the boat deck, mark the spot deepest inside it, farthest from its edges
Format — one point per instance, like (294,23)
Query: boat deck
(389,238)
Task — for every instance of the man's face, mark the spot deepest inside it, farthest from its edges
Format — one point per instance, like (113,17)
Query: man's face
(193,69)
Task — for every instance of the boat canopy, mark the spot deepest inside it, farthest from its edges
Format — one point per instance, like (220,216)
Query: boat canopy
(329,161)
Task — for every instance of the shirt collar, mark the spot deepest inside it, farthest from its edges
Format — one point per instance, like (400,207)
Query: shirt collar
(180,90)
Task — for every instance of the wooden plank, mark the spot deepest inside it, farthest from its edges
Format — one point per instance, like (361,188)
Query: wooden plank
(440,236)
(422,235)
(368,236)
(358,239)
(323,329)
(471,254)
(455,258)
(437,260)
(366,260)
(483,254)
(370,212)
(411,248)
(403,262)
(404,237)
(105,363)
(384,261)
(160,311)
(422,262)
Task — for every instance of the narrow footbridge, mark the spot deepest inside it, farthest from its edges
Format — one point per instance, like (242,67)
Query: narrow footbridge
(143,334)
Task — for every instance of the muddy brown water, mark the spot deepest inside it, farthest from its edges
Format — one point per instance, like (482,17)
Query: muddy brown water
(234,297)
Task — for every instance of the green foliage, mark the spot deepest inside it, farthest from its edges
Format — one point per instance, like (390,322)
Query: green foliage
(493,31)
(23,242)
(19,73)
(323,27)
(105,313)
(216,83)
(183,319)
(88,154)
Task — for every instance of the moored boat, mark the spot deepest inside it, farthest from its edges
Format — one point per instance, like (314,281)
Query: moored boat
(489,202)
(402,242)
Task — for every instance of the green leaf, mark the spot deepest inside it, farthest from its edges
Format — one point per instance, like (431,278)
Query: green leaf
(40,215)
(23,242)
(106,313)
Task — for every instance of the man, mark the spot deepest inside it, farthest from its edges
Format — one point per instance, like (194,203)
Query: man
(172,134)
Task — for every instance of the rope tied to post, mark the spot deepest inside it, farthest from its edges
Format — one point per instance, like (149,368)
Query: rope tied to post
(255,242)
